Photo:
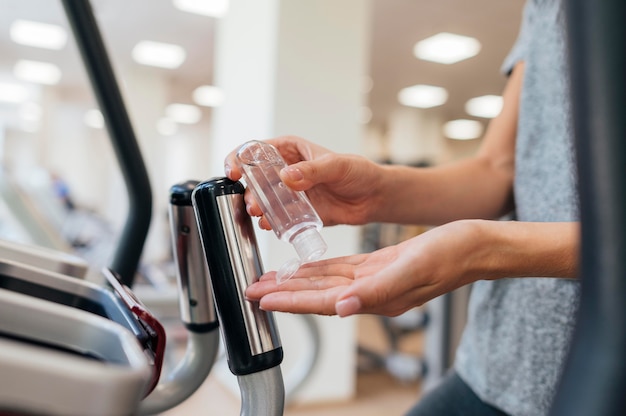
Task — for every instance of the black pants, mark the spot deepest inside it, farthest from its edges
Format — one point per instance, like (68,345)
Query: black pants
(452,397)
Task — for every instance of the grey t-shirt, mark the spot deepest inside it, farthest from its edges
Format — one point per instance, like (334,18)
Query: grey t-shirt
(518,329)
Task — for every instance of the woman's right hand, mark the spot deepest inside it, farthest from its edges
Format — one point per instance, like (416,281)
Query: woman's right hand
(341,187)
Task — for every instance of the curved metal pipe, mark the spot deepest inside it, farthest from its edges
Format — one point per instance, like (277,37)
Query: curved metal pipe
(196,307)
(298,376)
(187,377)
(250,335)
(262,393)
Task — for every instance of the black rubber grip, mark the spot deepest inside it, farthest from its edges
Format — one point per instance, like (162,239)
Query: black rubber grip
(228,299)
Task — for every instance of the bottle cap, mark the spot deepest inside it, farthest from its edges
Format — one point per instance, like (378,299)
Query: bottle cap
(309,245)
(287,270)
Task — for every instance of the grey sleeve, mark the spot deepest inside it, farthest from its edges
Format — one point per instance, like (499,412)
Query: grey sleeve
(520,47)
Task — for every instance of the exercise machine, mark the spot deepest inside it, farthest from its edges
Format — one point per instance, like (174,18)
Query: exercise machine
(63,338)
(81,348)
(75,347)
(594,378)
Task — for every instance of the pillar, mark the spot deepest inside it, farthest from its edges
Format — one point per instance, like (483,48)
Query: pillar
(296,67)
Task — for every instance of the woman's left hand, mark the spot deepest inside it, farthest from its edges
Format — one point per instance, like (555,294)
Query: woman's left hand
(388,281)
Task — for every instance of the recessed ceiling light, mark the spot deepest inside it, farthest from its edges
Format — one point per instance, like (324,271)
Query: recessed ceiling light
(93,118)
(463,129)
(13,93)
(208,96)
(40,35)
(487,106)
(212,8)
(38,72)
(162,55)
(423,96)
(183,113)
(446,48)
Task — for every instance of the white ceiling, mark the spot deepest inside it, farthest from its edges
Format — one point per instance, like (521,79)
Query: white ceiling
(397,25)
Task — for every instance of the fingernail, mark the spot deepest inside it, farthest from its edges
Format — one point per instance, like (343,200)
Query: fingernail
(294,174)
(227,170)
(348,306)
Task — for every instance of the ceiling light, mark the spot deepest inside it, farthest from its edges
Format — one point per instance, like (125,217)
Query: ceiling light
(38,72)
(162,55)
(446,48)
(93,118)
(13,93)
(167,127)
(487,106)
(463,129)
(183,113)
(212,8)
(423,96)
(40,35)
(208,96)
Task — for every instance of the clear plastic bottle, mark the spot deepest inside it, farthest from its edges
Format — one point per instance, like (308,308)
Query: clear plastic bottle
(289,212)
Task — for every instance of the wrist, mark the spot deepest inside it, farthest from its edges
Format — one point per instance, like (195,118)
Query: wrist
(387,195)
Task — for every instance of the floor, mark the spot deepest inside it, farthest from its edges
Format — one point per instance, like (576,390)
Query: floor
(377,392)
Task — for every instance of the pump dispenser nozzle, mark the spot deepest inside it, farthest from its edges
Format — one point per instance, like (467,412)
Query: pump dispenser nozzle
(289,212)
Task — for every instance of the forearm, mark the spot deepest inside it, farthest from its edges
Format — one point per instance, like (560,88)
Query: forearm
(479,187)
(525,249)
(472,188)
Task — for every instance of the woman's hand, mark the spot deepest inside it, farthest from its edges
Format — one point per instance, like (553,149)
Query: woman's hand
(342,188)
(395,279)
(388,282)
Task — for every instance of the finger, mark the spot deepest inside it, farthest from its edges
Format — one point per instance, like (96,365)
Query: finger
(264,224)
(316,275)
(377,293)
(268,276)
(267,284)
(254,210)
(252,206)
(231,168)
(260,288)
(331,265)
(304,175)
(316,302)
(294,149)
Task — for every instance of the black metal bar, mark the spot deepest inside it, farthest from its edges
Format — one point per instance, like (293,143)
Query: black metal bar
(231,253)
(594,379)
(105,86)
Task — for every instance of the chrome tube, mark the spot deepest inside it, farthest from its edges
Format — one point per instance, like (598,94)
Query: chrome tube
(196,307)
(250,334)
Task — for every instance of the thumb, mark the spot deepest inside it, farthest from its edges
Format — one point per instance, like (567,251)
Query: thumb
(304,175)
(348,305)
(371,294)
(356,299)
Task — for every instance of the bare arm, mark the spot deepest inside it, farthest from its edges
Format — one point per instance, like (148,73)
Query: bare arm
(465,249)
(478,187)
(350,189)
(396,278)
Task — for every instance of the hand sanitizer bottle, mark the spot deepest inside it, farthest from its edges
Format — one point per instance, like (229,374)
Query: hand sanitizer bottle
(289,212)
